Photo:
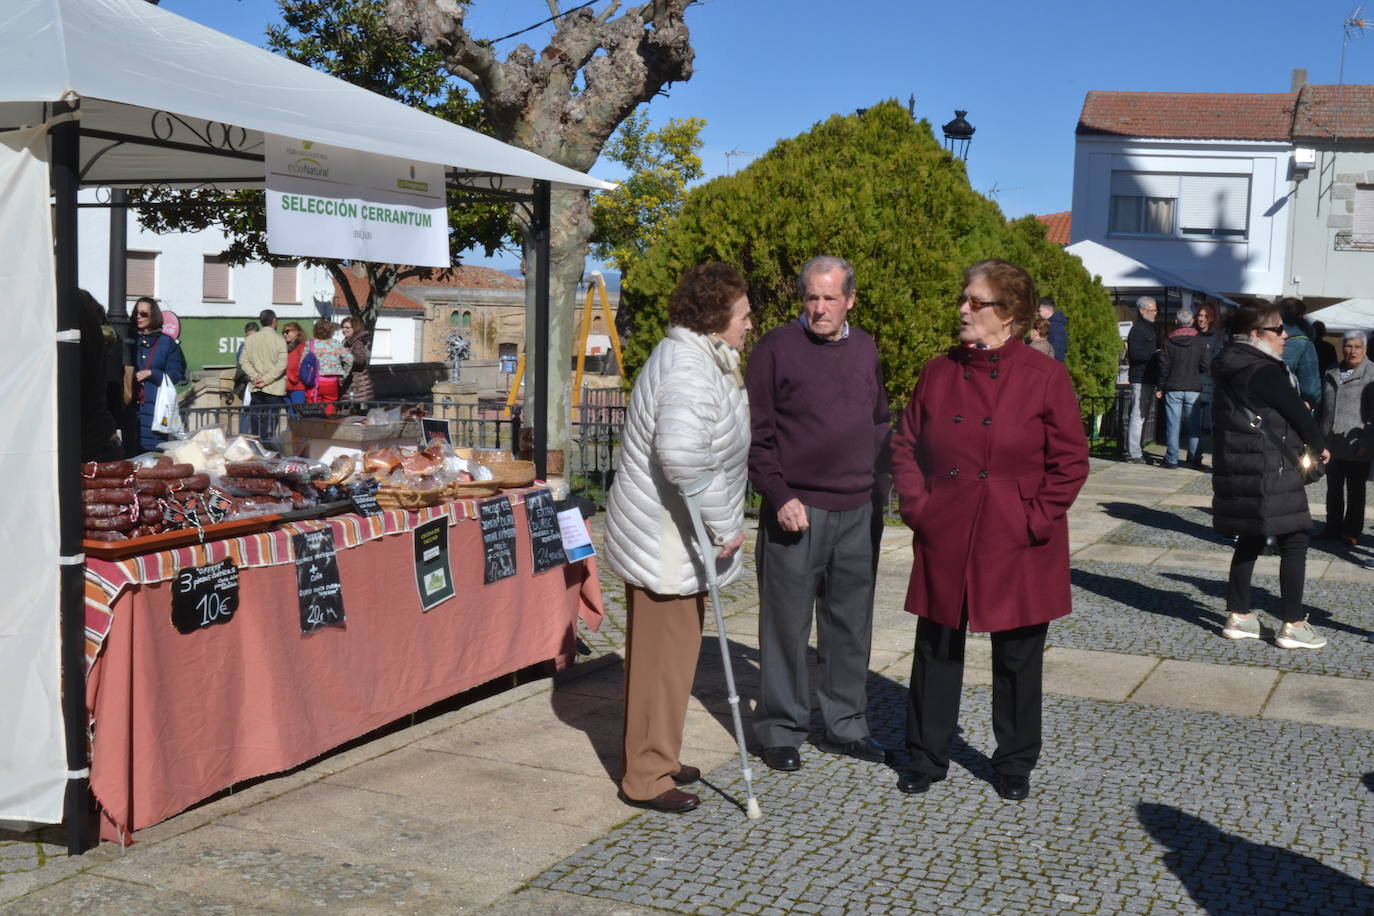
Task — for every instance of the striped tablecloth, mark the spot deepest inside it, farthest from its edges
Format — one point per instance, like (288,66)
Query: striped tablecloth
(107,579)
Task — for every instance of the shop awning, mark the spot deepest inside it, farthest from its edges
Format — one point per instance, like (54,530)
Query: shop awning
(1122,272)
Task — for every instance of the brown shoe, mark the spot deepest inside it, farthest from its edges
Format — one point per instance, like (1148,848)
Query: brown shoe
(686,775)
(674,801)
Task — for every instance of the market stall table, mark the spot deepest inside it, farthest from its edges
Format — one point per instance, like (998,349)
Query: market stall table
(178,717)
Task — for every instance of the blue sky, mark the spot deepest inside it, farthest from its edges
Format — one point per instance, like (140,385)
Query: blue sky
(770,69)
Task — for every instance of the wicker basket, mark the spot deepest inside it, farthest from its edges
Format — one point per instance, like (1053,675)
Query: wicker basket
(408,497)
(474,489)
(512,473)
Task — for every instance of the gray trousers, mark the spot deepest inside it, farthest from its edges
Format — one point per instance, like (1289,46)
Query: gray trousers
(1142,399)
(835,556)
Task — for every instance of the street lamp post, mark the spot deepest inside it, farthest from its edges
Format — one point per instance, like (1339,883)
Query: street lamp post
(958,133)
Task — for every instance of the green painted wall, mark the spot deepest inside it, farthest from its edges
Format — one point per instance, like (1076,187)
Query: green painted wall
(210,341)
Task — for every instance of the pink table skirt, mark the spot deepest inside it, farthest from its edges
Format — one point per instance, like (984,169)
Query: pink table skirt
(179,717)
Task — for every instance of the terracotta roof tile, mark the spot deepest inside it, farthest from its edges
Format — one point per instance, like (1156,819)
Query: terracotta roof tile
(1058,226)
(1231,115)
(1188,115)
(1317,108)
(464,277)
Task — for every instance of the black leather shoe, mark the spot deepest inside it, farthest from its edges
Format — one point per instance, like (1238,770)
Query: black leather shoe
(686,775)
(1013,788)
(914,782)
(673,801)
(785,759)
(862,749)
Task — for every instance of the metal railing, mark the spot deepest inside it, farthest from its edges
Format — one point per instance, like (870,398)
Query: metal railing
(480,426)
(595,444)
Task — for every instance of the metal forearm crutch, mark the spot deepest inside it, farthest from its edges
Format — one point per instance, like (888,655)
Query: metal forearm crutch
(691,494)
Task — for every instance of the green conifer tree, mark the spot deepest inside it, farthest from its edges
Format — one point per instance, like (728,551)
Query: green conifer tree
(877,189)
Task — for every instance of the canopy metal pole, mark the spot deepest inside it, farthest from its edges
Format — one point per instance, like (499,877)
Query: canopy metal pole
(66,138)
(116,305)
(540,226)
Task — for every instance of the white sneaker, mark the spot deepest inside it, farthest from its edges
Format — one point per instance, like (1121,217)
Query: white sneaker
(1299,635)
(1241,626)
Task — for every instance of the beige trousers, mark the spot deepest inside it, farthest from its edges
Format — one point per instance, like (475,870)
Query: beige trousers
(660,664)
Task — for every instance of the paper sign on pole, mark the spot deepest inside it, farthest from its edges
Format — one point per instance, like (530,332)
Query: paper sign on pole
(330,202)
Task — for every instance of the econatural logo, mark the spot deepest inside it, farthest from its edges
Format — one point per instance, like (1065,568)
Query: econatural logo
(308,166)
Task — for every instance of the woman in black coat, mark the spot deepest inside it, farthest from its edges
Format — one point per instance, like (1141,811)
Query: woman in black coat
(1261,424)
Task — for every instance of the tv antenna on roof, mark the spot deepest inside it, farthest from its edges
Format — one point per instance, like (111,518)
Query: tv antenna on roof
(997,188)
(730,154)
(1354,26)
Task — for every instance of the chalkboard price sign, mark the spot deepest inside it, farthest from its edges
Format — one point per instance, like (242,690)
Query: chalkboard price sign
(319,592)
(546,539)
(498,539)
(433,575)
(364,501)
(205,596)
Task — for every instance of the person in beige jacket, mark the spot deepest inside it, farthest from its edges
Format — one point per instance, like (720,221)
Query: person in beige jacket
(264,362)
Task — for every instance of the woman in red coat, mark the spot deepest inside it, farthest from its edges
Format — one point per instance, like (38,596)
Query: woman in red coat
(989,457)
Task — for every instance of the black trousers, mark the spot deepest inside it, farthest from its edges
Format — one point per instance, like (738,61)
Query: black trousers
(1345,484)
(937,679)
(1292,573)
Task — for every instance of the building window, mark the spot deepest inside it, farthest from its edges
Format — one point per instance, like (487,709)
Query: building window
(1193,206)
(453,318)
(141,274)
(284,288)
(381,344)
(1362,235)
(467,320)
(214,282)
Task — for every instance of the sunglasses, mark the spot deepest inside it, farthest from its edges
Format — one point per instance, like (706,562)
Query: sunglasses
(975,303)
(143,314)
(1274,329)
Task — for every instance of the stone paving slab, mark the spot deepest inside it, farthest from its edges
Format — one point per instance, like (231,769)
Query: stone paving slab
(1091,674)
(1135,810)
(1327,700)
(1237,690)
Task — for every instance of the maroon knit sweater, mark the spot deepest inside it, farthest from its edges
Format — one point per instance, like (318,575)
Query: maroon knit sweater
(819,415)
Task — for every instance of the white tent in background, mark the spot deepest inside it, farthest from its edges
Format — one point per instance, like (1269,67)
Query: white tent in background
(1350,315)
(1121,272)
(123,94)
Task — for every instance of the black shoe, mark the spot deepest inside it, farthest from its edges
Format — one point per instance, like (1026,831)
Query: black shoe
(686,775)
(674,801)
(1169,467)
(914,782)
(861,749)
(784,758)
(1329,533)
(1013,788)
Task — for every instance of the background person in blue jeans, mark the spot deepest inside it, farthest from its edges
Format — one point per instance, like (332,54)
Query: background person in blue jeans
(1183,364)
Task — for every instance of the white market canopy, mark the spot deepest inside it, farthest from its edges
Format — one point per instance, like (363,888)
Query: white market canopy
(1122,272)
(141,72)
(1350,315)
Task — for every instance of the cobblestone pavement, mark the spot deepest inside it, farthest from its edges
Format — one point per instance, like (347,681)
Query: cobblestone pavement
(1166,798)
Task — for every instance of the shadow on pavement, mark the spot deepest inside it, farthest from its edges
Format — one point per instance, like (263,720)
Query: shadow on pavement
(1163,520)
(1163,602)
(1227,875)
(1268,601)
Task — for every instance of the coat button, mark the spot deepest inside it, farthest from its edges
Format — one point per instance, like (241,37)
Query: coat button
(954,472)
(958,418)
(987,421)
(993,373)
(983,475)
(968,373)
(993,358)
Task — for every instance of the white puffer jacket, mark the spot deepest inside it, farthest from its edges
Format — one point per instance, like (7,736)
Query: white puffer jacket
(688,414)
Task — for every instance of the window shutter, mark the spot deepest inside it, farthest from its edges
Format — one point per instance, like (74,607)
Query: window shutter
(284,283)
(140,274)
(1363,233)
(1214,202)
(215,278)
(1144,184)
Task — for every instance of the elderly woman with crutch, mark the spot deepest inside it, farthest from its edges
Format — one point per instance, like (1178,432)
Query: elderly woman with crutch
(988,459)
(688,419)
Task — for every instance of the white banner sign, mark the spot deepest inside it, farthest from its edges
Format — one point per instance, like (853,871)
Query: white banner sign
(330,202)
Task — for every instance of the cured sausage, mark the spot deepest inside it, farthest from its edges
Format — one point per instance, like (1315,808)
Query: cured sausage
(104,510)
(105,483)
(195,482)
(254,486)
(147,501)
(104,535)
(150,487)
(166,471)
(107,469)
(115,523)
(249,469)
(123,497)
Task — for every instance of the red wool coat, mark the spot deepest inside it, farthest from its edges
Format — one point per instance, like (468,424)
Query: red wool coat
(989,457)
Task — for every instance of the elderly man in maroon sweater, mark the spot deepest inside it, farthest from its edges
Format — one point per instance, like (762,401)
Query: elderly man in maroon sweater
(820,423)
